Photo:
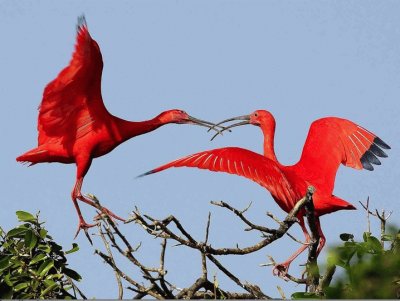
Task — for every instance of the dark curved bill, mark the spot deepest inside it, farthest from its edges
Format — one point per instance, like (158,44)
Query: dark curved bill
(243,117)
(207,124)
(246,119)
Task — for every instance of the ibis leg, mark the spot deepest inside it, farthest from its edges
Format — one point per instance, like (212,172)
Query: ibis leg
(282,269)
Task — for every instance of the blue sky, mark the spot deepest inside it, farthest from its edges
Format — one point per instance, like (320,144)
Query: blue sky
(301,60)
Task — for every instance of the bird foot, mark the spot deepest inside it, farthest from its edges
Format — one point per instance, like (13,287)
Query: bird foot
(84,226)
(109,213)
(281,270)
(93,201)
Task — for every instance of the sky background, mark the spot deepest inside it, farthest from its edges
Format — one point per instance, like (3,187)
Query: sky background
(301,60)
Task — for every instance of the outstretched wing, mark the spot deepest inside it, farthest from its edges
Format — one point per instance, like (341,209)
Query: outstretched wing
(70,100)
(332,141)
(244,163)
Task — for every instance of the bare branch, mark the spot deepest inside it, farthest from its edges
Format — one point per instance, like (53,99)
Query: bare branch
(154,283)
(326,279)
(312,220)
(241,216)
(107,245)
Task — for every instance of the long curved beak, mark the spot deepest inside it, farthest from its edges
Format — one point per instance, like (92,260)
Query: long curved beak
(246,119)
(211,126)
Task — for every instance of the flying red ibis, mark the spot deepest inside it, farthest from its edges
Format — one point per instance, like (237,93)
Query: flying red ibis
(330,141)
(74,125)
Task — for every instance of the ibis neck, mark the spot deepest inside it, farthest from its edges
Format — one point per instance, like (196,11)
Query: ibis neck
(269,135)
(129,129)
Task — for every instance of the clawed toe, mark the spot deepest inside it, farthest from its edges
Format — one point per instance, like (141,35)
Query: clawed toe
(281,270)
(84,226)
(109,213)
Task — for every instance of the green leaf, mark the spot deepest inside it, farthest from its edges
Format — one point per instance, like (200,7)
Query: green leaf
(366,235)
(303,295)
(8,280)
(48,289)
(48,282)
(17,232)
(25,216)
(24,296)
(30,239)
(387,237)
(346,236)
(5,262)
(374,244)
(43,233)
(75,248)
(45,267)
(21,286)
(72,274)
(44,248)
(16,262)
(38,258)
(53,276)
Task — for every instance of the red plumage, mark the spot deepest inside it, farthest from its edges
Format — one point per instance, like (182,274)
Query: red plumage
(74,125)
(330,142)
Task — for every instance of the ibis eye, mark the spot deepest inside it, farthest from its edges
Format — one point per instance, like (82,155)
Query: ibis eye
(255,114)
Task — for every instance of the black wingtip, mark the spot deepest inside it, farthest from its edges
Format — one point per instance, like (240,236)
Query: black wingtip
(145,174)
(366,164)
(81,22)
(371,155)
(378,141)
(377,151)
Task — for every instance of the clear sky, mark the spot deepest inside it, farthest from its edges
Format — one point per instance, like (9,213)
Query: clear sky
(301,60)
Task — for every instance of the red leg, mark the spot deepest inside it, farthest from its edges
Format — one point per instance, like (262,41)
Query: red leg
(83,163)
(76,194)
(103,209)
(281,269)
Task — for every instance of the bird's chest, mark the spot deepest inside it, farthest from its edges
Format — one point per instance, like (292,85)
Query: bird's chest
(102,148)
(100,141)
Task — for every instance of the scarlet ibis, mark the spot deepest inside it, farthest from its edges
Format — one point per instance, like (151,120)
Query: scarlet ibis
(330,141)
(74,125)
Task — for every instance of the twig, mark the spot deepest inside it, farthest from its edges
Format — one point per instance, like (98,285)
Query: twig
(140,287)
(287,275)
(326,279)
(254,290)
(157,286)
(312,220)
(76,288)
(281,292)
(192,243)
(383,218)
(366,207)
(244,219)
(117,276)
(207,228)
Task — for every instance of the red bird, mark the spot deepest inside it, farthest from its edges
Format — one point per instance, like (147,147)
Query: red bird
(74,125)
(330,141)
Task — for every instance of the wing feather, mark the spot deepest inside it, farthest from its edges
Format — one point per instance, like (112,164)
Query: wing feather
(333,141)
(71,101)
(244,163)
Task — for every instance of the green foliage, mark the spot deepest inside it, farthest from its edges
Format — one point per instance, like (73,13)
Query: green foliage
(371,271)
(32,265)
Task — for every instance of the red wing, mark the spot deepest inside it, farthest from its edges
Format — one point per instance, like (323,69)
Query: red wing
(332,141)
(244,163)
(70,99)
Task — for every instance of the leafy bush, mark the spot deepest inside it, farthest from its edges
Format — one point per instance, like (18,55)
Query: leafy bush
(32,265)
(370,271)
